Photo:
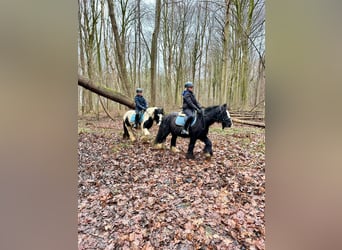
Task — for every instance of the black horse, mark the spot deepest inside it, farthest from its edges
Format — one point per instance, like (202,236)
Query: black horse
(199,130)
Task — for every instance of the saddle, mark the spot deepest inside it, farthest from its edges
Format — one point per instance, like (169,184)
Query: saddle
(181,119)
(132,119)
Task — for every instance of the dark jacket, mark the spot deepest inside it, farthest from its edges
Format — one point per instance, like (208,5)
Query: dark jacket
(140,103)
(189,101)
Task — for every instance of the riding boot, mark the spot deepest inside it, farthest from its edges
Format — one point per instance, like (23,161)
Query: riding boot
(185,130)
(136,122)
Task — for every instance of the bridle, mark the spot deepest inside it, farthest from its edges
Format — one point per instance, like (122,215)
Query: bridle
(221,117)
(154,115)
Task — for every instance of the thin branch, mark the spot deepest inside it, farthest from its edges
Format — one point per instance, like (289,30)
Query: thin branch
(105,110)
(148,49)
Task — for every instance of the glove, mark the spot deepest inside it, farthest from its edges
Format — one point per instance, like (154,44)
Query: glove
(199,111)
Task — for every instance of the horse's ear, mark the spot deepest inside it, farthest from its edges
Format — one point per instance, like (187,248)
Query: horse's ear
(225,105)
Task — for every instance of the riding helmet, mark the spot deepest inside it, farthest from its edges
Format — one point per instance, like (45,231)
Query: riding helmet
(188,84)
(139,90)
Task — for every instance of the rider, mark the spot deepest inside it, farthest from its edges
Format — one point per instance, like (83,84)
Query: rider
(190,104)
(140,106)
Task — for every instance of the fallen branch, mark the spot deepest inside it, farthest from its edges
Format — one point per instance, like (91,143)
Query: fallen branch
(106,92)
(257,124)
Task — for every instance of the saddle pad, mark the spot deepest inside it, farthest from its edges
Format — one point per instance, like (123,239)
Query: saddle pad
(132,119)
(180,120)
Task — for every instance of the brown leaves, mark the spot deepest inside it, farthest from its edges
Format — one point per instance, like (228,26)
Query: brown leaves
(133,197)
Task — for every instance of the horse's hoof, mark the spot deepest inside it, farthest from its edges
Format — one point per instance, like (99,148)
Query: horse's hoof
(175,150)
(146,139)
(190,156)
(133,139)
(207,155)
(158,146)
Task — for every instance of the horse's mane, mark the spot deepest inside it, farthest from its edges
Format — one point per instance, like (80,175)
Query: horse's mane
(150,111)
(152,108)
(211,108)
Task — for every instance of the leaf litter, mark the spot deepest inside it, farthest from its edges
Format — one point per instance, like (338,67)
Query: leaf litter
(134,197)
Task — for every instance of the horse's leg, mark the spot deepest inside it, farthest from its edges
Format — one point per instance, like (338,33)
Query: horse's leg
(145,132)
(125,134)
(208,149)
(173,144)
(163,131)
(190,153)
(130,132)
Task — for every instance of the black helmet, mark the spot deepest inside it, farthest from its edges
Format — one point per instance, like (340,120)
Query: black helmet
(139,90)
(188,84)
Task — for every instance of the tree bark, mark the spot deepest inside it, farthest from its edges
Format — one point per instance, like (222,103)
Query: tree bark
(181,48)
(119,50)
(106,92)
(81,55)
(224,71)
(154,47)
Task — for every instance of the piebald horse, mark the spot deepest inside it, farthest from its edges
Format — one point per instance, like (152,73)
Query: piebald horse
(150,115)
(198,130)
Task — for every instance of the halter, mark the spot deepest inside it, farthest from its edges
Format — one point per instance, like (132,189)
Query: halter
(153,109)
(221,116)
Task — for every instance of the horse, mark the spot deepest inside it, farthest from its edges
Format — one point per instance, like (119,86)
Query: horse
(198,129)
(150,115)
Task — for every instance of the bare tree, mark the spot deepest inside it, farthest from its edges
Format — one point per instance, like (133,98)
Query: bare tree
(225,38)
(219,45)
(81,56)
(120,50)
(154,47)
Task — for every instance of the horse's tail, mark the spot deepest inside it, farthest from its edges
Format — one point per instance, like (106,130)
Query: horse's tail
(164,130)
(125,134)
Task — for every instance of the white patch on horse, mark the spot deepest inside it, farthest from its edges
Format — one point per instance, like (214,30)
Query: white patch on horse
(160,119)
(229,117)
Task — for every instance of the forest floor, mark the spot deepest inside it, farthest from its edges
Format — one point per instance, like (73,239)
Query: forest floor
(134,197)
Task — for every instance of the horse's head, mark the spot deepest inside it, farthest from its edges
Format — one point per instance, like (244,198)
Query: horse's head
(225,117)
(158,115)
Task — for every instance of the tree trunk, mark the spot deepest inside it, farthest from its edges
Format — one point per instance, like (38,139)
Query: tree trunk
(225,37)
(120,54)
(136,46)
(81,57)
(154,47)
(105,92)
(179,68)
